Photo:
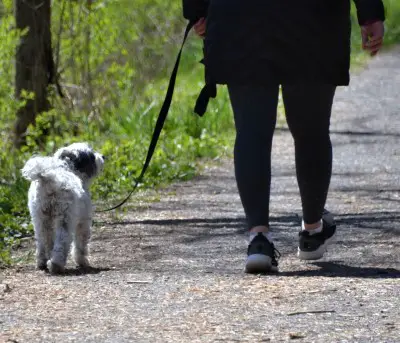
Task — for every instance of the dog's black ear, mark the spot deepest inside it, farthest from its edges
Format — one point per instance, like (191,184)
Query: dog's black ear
(86,163)
(68,155)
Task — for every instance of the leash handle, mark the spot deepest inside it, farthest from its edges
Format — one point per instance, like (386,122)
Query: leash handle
(160,120)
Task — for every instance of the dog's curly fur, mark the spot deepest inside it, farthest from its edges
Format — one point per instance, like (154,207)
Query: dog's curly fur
(60,205)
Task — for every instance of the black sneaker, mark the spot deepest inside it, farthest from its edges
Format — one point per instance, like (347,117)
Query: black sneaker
(261,256)
(313,247)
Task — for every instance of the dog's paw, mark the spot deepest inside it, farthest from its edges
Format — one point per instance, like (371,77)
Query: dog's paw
(54,268)
(86,269)
(83,263)
(41,265)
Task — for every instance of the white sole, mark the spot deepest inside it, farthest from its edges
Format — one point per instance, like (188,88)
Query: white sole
(317,254)
(258,263)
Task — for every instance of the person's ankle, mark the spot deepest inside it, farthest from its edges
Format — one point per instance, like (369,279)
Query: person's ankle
(254,231)
(317,226)
(257,229)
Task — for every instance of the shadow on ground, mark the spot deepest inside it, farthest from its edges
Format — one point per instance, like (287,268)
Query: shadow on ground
(368,220)
(79,271)
(338,269)
(354,133)
(367,244)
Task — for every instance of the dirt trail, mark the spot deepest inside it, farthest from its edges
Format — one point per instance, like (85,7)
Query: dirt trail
(173,271)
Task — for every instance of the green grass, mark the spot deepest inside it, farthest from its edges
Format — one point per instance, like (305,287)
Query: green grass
(133,47)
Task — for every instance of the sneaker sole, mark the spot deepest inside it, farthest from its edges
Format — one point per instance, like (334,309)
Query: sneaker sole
(258,263)
(316,254)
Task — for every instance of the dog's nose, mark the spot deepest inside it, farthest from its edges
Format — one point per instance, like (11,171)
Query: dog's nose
(103,157)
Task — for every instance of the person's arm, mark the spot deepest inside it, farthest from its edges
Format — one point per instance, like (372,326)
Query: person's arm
(371,15)
(195,9)
(369,11)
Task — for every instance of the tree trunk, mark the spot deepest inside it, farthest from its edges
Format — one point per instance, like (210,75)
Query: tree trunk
(34,62)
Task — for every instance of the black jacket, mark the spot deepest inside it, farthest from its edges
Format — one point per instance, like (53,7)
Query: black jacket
(281,41)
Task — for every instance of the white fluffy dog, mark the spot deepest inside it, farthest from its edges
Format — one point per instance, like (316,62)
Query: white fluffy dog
(60,204)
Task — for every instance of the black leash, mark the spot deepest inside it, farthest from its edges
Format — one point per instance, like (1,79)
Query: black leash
(160,121)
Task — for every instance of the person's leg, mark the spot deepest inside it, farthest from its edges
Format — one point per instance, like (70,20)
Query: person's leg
(308,112)
(254,109)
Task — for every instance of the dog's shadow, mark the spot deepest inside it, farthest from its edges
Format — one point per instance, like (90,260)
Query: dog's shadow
(79,271)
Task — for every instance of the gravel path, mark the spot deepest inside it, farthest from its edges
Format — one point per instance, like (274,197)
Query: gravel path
(173,271)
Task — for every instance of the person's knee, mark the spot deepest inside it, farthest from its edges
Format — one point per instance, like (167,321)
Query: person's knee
(309,132)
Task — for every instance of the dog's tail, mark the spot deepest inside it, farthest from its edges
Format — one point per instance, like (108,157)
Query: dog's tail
(52,170)
(38,167)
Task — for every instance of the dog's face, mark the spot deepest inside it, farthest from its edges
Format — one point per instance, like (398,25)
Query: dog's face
(82,159)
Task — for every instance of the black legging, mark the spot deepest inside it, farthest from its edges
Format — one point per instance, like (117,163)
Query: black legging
(308,110)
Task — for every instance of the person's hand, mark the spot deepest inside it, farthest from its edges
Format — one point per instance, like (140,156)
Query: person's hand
(200,27)
(372,37)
